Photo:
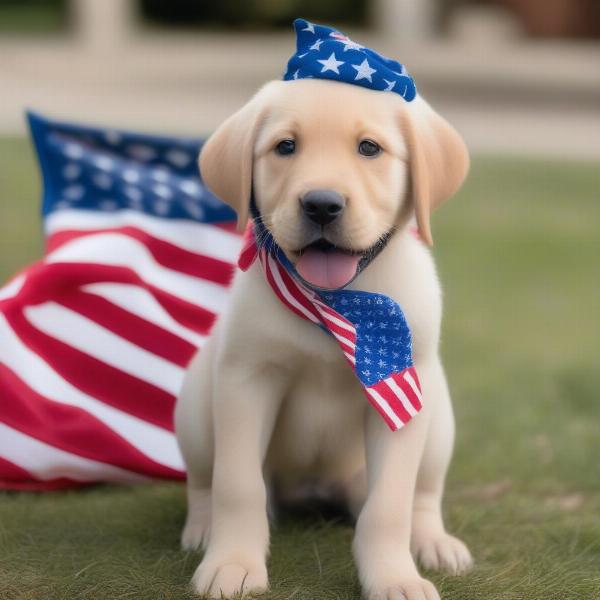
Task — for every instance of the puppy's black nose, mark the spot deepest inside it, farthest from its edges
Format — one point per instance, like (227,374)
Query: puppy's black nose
(322,206)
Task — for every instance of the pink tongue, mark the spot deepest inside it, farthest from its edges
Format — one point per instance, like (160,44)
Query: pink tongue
(328,270)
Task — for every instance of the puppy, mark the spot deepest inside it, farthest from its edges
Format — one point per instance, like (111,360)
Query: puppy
(270,398)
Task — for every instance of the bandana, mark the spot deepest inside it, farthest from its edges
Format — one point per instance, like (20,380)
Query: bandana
(325,53)
(370,328)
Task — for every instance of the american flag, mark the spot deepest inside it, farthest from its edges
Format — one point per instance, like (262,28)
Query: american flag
(96,336)
(370,329)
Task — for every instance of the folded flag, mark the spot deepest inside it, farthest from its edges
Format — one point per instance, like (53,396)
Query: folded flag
(370,329)
(95,337)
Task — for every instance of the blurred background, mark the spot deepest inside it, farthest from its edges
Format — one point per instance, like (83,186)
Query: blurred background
(517,252)
(512,75)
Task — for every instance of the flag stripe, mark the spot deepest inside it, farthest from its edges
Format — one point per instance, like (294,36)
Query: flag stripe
(131,327)
(384,408)
(274,275)
(279,293)
(331,319)
(339,325)
(90,338)
(294,290)
(344,343)
(155,442)
(336,318)
(397,388)
(392,400)
(141,302)
(45,462)
(120,251)
(413,398)
(201,238)
(350,357)
(413,380)
(164,253)
(41,285)
(13,475)
(67,428)
(95,378)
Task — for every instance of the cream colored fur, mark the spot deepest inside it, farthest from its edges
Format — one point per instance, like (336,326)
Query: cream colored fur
(270,397)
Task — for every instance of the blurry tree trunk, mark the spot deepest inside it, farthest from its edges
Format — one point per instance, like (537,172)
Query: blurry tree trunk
(405,19)
(103,25)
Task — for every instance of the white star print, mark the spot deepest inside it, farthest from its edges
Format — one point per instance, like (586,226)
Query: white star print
(349,44)
(295,75)
(390,85)
(316,45)
(364,71)
(309,27)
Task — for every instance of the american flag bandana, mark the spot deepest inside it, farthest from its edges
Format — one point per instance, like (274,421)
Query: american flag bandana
(95,337)
(370,329)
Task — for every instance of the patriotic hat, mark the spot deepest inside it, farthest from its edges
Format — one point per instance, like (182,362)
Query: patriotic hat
(325,53)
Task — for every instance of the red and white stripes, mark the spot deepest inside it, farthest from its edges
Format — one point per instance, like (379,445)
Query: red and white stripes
(94,341)
(398,397)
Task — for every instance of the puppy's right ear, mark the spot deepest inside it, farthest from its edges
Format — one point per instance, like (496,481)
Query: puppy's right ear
(226,159)
(439,161)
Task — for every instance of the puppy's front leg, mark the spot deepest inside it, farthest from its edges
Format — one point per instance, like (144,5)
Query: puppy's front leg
(382,540)
(245,408)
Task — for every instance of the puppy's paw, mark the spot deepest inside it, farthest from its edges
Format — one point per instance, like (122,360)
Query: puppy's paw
(441,552)
(196,531)
(228,580)
(413,588)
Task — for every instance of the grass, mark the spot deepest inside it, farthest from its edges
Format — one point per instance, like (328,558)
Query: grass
(518,253)
(39,18)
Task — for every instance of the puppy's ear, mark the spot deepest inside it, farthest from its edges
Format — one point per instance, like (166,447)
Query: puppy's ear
(226,159)
(439,161)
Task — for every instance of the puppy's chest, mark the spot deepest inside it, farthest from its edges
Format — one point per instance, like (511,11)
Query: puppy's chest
(321,416)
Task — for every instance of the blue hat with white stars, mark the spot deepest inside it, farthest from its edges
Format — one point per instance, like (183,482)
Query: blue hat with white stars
(325,53)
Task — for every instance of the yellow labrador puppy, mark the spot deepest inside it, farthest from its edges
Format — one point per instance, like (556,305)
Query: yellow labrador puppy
(271,397)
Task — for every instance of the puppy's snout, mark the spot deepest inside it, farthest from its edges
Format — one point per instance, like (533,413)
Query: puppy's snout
(322,206)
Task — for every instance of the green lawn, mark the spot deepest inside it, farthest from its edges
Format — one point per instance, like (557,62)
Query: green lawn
(518,252)
(38,17)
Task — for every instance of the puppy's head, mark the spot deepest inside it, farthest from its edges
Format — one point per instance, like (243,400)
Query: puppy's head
(335,169)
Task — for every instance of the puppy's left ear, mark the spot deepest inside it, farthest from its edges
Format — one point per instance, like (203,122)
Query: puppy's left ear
(226,159)
(439,161)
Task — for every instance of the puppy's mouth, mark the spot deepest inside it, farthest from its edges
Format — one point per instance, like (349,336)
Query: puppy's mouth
(325,265)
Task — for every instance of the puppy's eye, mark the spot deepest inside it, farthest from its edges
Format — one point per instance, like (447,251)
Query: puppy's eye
(285,147)
(369,148)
